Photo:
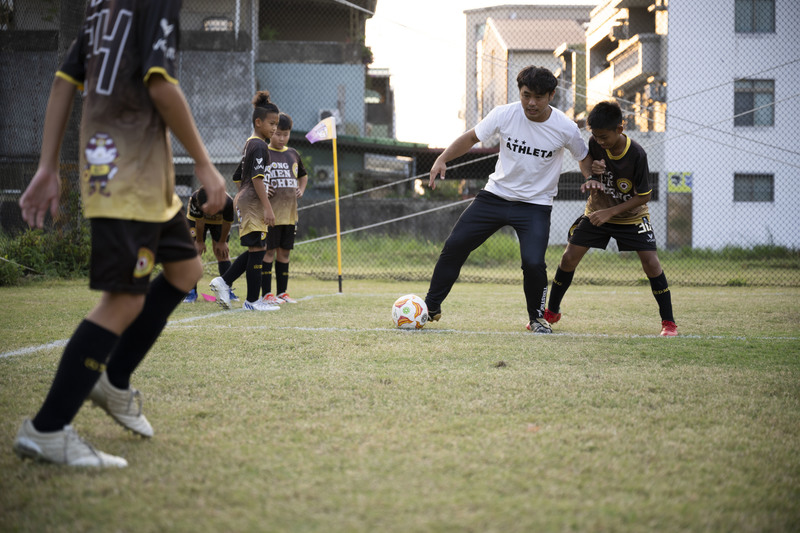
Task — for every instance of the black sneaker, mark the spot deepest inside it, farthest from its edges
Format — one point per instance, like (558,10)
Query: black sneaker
(539,325)
(433,316)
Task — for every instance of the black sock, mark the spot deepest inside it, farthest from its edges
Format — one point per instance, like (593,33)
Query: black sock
(236,269)
(82,362)
(266,278)
(662,295)
(281,277)
(223,267)
(162,298)
(254,262)
(561,282)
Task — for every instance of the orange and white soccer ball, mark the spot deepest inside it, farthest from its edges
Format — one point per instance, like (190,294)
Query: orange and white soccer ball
(409,312)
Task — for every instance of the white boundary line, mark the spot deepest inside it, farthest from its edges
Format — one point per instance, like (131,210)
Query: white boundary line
(430,331)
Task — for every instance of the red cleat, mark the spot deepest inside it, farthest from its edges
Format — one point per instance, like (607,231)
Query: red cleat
(669,329)
(551,316)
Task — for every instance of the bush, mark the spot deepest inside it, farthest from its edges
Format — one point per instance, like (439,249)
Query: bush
(60,252)
(9,273)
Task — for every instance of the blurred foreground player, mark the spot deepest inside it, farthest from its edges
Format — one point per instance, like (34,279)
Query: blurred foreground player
(127,188)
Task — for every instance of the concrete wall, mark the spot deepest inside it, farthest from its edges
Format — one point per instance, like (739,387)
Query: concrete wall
(219,89)
(302,90)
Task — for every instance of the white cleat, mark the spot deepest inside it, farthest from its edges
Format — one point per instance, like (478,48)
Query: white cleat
(123,405)
(63,447)
(260,305)
(222,292)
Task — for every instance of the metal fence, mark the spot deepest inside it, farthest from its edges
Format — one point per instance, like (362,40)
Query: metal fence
(715,106)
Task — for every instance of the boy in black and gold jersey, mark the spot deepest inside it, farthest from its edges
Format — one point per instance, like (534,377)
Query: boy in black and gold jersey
(124,62)
(253,207)
(287,184)
(218,225)
(618,209)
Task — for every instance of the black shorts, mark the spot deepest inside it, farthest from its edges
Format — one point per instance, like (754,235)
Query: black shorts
(281,237)
(629,237)
(215,230)
(256,239)
(124,252)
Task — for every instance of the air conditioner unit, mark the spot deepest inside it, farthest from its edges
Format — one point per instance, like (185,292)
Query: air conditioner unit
(323,174)
(325,113)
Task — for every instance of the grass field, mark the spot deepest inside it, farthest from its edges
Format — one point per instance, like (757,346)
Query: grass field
(322,418)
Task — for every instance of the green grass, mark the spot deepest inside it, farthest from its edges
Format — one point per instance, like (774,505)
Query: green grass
(321,417)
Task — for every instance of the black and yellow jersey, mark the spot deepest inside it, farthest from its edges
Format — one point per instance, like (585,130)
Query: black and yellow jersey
(126,157)
(625,176)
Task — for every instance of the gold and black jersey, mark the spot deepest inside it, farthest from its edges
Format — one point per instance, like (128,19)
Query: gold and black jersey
(254,172)
(284,169)
(126,158)
(625,177)
(195,211)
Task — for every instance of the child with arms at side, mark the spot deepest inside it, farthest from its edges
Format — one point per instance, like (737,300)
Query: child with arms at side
(128,195)
(253,207)
(288,179)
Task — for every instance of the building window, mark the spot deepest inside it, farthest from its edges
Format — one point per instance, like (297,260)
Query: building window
(217,24)
(753,187)
(755,16)
(753,103)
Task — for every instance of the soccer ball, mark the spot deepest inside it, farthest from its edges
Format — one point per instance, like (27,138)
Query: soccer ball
(409,312)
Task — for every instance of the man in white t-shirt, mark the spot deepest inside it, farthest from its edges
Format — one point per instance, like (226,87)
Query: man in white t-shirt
(519,192)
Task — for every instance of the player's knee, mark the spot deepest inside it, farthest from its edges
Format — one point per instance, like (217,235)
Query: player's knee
(184,275)
(534,268)
(651,265)
(568,262)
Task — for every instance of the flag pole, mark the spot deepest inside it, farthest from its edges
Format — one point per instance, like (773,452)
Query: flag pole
(324,130)
(338,227)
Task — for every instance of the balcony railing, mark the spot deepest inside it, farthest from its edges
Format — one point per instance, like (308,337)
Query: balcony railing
(637,60)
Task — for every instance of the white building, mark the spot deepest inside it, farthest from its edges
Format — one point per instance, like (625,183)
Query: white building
(476,32)
(733,109)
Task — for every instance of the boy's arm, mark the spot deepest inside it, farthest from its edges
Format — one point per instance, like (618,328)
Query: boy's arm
(173,108)
(302,181)
(456,149)
(604,215)
(261,191)
(200,234)
(44,189)
(221,247)
(587,171)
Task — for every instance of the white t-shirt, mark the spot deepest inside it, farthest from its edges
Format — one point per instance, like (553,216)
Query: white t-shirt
(531,153)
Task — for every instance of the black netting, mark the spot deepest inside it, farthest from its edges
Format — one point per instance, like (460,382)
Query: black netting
(708,88)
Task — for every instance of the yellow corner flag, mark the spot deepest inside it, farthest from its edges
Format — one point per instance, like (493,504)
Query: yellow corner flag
(326,129)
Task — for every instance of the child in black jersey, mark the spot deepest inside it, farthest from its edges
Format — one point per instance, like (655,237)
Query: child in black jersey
(218,225)
(128,196)
(618,209)
(288,179)
(253,208)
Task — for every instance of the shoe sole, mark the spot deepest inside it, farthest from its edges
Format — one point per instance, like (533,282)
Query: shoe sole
(120,422)
(541,330)
(217,292)
(27,451)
